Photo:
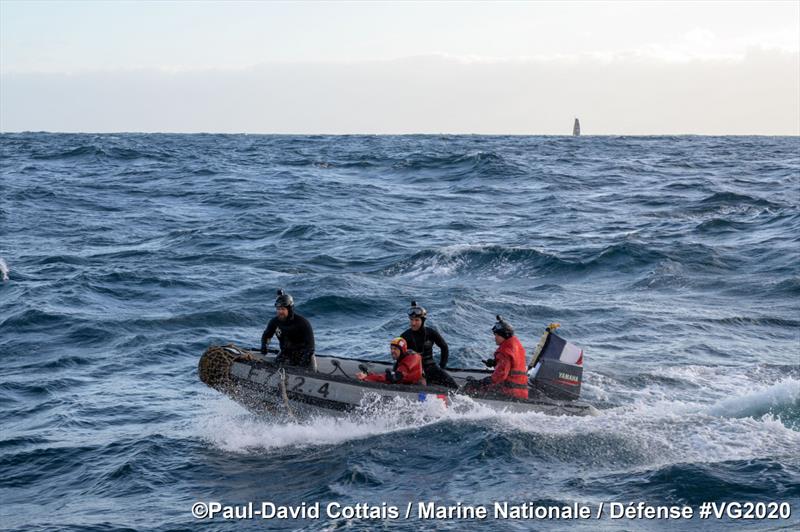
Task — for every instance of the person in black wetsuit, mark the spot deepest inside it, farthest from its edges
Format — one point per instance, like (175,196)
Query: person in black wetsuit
(421,339)
(295,335)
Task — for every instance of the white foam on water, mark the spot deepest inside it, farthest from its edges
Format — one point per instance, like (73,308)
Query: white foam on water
(663,432)
(708,379)
(758,401)
(232,428)
(441,265)
(448,261)
(3,269)
(700,386)
(734,421)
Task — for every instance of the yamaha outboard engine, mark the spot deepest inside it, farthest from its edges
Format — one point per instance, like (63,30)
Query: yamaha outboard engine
(558,371)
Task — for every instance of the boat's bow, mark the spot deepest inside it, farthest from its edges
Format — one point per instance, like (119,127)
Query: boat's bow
(215,365)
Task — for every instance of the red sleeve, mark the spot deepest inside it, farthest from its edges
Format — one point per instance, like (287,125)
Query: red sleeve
(502,367)
(376,377)
(411,367)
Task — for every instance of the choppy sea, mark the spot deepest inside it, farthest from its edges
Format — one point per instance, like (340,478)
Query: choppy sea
(673,261)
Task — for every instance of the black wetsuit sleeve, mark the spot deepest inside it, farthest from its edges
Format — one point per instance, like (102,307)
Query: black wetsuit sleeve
(307,335)
(304,335)
(439,341)
(269,332)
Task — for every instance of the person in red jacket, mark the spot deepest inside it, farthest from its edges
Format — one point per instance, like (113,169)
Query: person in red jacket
(510,376)
(407,367)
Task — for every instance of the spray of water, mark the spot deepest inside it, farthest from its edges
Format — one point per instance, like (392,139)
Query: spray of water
(650,431)
(232,428)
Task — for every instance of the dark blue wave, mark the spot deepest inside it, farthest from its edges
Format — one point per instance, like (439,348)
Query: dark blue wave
(672,261)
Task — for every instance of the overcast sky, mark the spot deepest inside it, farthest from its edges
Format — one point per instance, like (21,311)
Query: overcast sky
(719,68)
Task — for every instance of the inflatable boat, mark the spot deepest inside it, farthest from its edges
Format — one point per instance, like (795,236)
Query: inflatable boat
(258,383)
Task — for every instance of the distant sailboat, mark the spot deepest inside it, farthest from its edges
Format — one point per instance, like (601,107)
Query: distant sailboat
(576,129)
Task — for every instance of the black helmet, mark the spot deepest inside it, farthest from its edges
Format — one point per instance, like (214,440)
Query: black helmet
(284,299)
(416,311)
(503,328)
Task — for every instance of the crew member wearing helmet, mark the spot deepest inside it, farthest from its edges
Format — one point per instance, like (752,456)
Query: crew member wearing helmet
(421,339)
(295,335)
(407,367)
(510,365)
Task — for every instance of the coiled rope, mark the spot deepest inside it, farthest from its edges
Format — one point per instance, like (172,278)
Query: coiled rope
(215,365)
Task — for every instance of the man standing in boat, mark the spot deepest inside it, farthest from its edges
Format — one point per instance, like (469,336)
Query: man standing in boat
(295,335)
(421,339)
(510,376)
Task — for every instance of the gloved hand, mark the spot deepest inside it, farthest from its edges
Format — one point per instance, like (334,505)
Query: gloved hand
(490,362)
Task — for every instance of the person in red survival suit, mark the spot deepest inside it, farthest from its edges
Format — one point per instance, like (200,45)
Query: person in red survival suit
(407,367)
(510,366)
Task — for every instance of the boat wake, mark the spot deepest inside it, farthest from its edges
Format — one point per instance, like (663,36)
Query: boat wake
(760,423)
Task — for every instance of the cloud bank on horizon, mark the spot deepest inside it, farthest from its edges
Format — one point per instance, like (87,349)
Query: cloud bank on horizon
(513,68)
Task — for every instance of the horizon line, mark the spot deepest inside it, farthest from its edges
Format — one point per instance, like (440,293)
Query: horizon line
(398,134)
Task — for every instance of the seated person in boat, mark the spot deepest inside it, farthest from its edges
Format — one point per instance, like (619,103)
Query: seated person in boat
(295,335)
(421,339)
(510,376)
(407,367)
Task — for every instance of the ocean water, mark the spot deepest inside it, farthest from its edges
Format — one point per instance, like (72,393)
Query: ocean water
(673,261)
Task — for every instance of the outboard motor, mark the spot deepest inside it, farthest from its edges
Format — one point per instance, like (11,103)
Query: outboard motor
(558,370)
